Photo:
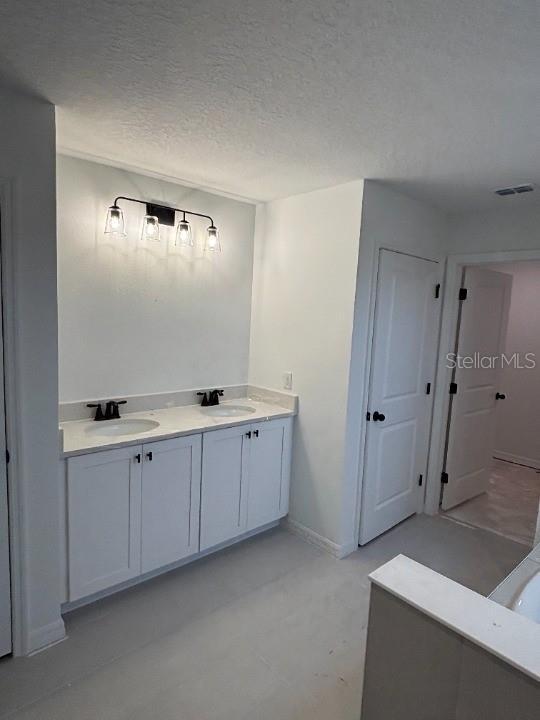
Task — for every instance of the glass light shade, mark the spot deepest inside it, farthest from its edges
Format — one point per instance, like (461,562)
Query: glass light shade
(115,225)
(212,239)
(150,228)
(184,237)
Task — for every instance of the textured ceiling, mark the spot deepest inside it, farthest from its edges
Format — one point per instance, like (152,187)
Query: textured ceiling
(273,97)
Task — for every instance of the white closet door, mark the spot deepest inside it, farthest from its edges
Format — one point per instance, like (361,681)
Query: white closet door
(403,363)
(482,334)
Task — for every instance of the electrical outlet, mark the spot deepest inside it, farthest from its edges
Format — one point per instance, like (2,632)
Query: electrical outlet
(287,380)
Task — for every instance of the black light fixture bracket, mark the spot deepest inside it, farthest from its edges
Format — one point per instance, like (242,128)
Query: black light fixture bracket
(164,213)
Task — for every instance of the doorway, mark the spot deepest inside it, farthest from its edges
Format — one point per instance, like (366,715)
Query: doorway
(5,580)
(405,332)
(491,475)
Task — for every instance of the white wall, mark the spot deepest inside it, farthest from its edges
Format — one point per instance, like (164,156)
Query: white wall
(27,176)
(518,417)
(306,255)
(514,225)
(136,318)
(390,220)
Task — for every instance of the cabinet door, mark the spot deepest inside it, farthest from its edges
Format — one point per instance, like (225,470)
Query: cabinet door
(269,472)
(104,519)
(171,485)
(224,485)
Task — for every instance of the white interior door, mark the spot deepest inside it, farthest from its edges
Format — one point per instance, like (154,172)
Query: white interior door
(481,337)
(402,365)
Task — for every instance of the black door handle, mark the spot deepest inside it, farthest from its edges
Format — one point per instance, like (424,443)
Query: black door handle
(138,458)
(500,396)
(377,416)
(149,455)
(248,434)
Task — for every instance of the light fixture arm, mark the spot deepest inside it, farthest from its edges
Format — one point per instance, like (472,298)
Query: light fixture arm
(165,207)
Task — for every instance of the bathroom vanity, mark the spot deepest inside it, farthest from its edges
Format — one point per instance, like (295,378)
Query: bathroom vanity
(185,481)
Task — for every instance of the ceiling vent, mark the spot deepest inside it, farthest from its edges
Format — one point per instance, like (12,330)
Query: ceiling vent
(517,190)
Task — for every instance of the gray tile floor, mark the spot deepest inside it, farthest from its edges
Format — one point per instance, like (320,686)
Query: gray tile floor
(270,629)
(510,505)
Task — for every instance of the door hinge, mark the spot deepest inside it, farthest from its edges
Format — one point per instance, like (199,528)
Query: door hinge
(428,389)
(421,480)
(463,293)
(453,388)
(444,478)
(7,457)
(437,291)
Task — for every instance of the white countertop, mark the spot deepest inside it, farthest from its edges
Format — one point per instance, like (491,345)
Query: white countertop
(511,637)
(173,422)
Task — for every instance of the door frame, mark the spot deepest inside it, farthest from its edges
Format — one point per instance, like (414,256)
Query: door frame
(11,402)
(366,375)
(450,314)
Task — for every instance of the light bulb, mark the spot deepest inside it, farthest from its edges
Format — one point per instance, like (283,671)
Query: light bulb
(212,239)
(114,225)
(184,237)
(150,228)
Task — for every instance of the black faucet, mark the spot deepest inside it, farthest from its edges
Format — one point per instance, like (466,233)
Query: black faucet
(111,409)
(213,397)
(210,397)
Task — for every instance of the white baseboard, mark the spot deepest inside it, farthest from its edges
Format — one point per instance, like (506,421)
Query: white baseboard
(43,637)
(310,536)
(517,459)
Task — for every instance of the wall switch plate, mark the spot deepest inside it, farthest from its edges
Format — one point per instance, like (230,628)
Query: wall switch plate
(287,380)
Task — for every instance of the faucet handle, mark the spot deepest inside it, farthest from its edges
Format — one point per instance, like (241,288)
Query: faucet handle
(99,411)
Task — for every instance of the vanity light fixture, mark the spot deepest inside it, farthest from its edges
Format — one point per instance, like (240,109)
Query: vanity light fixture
(184,237)
(212,239)
(150,228)
(157,215)
(115,225)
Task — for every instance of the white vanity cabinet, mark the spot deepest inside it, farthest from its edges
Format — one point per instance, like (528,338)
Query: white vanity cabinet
(103,519)
(245,479)
(269,471)
(224,484)
(171,486)
(131,511)
(134,510)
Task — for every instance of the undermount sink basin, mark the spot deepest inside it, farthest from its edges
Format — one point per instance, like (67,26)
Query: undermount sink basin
(115,428)
(228,410)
